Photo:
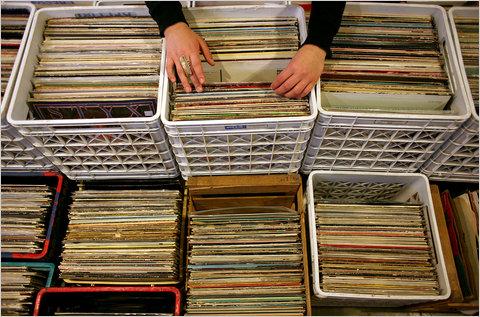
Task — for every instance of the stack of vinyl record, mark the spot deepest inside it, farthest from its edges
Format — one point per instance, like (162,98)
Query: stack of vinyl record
(24,211)
(14,22)
(380,249)
(378,54)
(249,38)
(122,236)
(234,101)
(245,262)
(102,67)
(19,286)
(467,29)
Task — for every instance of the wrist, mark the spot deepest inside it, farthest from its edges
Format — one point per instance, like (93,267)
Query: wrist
(316,49)
(175,27)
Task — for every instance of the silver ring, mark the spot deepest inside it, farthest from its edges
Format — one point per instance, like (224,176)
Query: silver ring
(186,66)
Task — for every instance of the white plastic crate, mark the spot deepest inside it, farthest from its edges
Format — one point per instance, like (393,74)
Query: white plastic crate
(240,146)
(16,152)
(387,141)
(457,159)
(404,187)
(92,148)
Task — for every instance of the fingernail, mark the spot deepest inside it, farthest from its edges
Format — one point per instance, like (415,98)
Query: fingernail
(202,80)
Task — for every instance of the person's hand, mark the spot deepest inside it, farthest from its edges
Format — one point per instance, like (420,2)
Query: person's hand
(302,73)
(182,41)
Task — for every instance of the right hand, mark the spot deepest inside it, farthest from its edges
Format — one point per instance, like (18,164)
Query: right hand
(182,41)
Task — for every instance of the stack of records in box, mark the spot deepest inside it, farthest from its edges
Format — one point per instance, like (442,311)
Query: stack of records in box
(241,39)
(24,211)
(249,38)
(245,261)
(19,287)
(372,245)
(250,129)
(101,67)
(122,237)
(467,29)
(379,54)
(220,101)
(14,22)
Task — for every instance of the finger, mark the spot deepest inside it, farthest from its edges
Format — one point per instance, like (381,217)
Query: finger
(296,91)
(206,52)
(170,72)
(196,82)
(281,78)
(288,85)
(181,75)
(197,68)
(307,90)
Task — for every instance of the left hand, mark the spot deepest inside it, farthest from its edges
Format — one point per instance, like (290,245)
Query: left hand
(302,73)
(182,41)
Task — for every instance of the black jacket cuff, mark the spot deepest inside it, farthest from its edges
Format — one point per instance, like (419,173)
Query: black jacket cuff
(165,13)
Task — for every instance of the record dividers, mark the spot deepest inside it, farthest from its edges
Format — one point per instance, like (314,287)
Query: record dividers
(286,190)
(456,300)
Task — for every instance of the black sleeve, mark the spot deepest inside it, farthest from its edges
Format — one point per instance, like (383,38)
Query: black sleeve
(165,13)
(325,20)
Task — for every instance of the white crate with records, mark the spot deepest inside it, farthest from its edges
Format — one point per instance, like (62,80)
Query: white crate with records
(457,159)
(17,152)
(210,132)
(385,105)
(374,239)
(60,103)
